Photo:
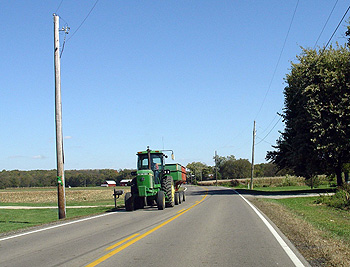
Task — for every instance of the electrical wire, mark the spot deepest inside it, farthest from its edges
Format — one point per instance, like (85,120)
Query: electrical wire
(64,42)
(330,14)
(335,30)
(81,24)
(59,6)
(318,57)
(279,59)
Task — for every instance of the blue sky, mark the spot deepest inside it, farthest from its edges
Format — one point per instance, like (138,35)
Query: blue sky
(190,76)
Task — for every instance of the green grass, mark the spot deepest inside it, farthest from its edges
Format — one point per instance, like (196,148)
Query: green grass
(69,203)
(290,188)
(334,222)
(15,219)
(12,220)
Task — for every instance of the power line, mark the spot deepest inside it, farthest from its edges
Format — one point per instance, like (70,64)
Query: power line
(335,30)
(279,58)
(59,6)
(81,24)
(317,59)
(263,139)
(325,23)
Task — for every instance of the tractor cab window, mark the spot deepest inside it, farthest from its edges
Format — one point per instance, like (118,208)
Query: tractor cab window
(157,162)
(142,163)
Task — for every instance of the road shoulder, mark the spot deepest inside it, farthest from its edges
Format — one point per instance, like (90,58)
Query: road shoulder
(317,249)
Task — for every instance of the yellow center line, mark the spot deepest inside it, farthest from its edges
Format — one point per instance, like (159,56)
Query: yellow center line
(180,211)
(121,242)
(110,254)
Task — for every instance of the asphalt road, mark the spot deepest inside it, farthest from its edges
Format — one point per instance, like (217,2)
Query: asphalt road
(214,227)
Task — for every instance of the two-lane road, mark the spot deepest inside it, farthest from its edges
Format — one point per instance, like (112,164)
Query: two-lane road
(214,227)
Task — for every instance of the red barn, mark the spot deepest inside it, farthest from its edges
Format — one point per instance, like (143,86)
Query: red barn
(109,184)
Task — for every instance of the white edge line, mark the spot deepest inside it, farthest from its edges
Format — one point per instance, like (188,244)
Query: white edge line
(283,244)
(55,226)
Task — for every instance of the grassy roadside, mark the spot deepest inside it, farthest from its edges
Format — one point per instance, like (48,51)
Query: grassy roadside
(15,219)
(12,220)
(320,233)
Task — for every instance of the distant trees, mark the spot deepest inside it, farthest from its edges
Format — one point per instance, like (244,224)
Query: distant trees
(316,138)
(199,170)
(231,168)
(228,168)
(44,178)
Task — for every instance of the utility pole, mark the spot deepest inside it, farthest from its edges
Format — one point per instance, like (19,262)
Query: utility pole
(216,169)
(252,174)
(61,195)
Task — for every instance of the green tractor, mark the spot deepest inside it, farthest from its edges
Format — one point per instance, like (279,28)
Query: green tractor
(155,183)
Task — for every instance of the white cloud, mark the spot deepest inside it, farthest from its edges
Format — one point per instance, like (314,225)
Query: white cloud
(68,137)
(16,157)
(39,157)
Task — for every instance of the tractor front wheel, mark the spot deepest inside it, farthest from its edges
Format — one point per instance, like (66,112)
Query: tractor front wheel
(129,202)
(160,199)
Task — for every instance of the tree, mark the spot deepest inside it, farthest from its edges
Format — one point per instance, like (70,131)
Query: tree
(230,168)
(235,169)
(316,138)
(196,169)
(266,170)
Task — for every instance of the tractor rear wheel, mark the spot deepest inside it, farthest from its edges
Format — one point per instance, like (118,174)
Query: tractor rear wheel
(160,199)
(129,202)
(169,190)
(183,196)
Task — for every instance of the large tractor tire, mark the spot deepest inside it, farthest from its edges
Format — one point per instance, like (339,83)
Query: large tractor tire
(129,202)
(177,198)
(183,196)
(134,190)
(160,199)
(169,191)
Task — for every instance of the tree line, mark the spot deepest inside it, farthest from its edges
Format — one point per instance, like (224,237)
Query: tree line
(74,178)
(231,168)
(228,168)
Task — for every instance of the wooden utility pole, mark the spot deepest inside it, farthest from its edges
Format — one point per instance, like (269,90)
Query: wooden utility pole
(252,174)
(58,118)
(216,169)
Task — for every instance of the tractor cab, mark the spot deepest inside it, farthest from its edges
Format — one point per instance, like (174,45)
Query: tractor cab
(151,160)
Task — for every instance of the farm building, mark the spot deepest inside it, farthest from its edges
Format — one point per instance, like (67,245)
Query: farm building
(125,182)
(109,183)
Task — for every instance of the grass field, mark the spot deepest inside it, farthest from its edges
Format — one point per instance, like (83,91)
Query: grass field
(14,219)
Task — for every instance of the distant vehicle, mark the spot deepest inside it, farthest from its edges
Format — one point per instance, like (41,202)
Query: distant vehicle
(155,182)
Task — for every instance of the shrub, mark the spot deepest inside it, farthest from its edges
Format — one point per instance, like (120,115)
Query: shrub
(313,182)
(340,200)
(288,181)
(235,183)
